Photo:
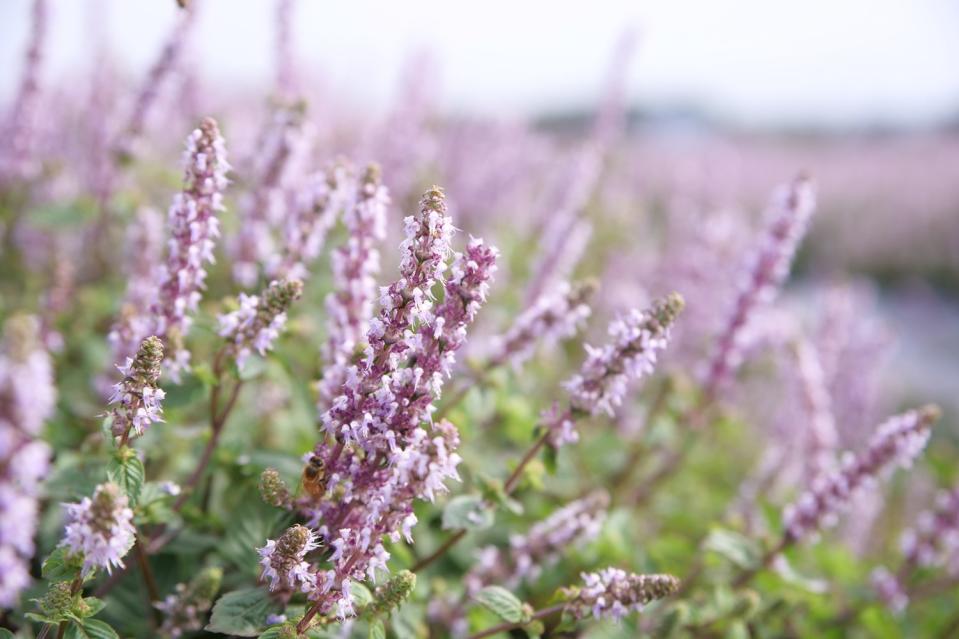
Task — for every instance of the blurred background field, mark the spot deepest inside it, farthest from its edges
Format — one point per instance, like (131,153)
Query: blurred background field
(707,108)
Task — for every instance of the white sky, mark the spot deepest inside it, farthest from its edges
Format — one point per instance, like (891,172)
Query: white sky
(757,61)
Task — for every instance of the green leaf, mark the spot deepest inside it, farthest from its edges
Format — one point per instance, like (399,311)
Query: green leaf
(470,512)
(741,550)
(494,492)
(94,606)
(737,630)
(242,612)
(377,629)
(362,597)
(550,458)
(6,634)
(91,629)
(204,373)
(128,473)
(784,569)
(502,603)
(60,566)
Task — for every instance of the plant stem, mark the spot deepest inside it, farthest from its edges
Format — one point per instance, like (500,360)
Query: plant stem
(511,482)
(503,627)
(153,593)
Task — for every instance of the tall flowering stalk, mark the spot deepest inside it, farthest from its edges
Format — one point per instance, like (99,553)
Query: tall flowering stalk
(18,161)
(565,233)
(897,442)
(789,214)
(265,205)
(158,76)
(142,266)
(259,320)
(27,400)
(349,306)
(388,396)
(194,226)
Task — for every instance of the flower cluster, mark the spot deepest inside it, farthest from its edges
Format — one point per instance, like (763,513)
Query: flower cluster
(194,227)
(822,438)
(898,441)
(934,540)
(259,320)
(355,265)
(283,560)
(27,397)
(636,339)
(137,397)
(789,215)
(577,522)
(889,590)
(554,316)
(100,530)
(613,593)
(383,458)
(183,610)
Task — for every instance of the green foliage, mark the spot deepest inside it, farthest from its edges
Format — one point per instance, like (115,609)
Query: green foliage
(502,603)
(467,512)
(242,613)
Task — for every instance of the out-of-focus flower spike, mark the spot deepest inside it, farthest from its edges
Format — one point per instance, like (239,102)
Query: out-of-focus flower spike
(314,212)
(184,610)
(194,227)
(349,306)
(821,440)
(789,214)
(259,320)
(17,161)
(934,537)
(555,316)
(142,268)
(27,400)
(158,76)
(264,208)
(897,442)
(542,546)
(613,593)
(284,48)
(636,341)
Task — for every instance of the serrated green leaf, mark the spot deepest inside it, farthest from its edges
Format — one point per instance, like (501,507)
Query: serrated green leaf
(741,550)
(377,629)
(91,629)
(502,603)
(469,512)
(60,566)
(242,612)
(128,474)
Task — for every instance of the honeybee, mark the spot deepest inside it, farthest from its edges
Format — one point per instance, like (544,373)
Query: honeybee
(314,477)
